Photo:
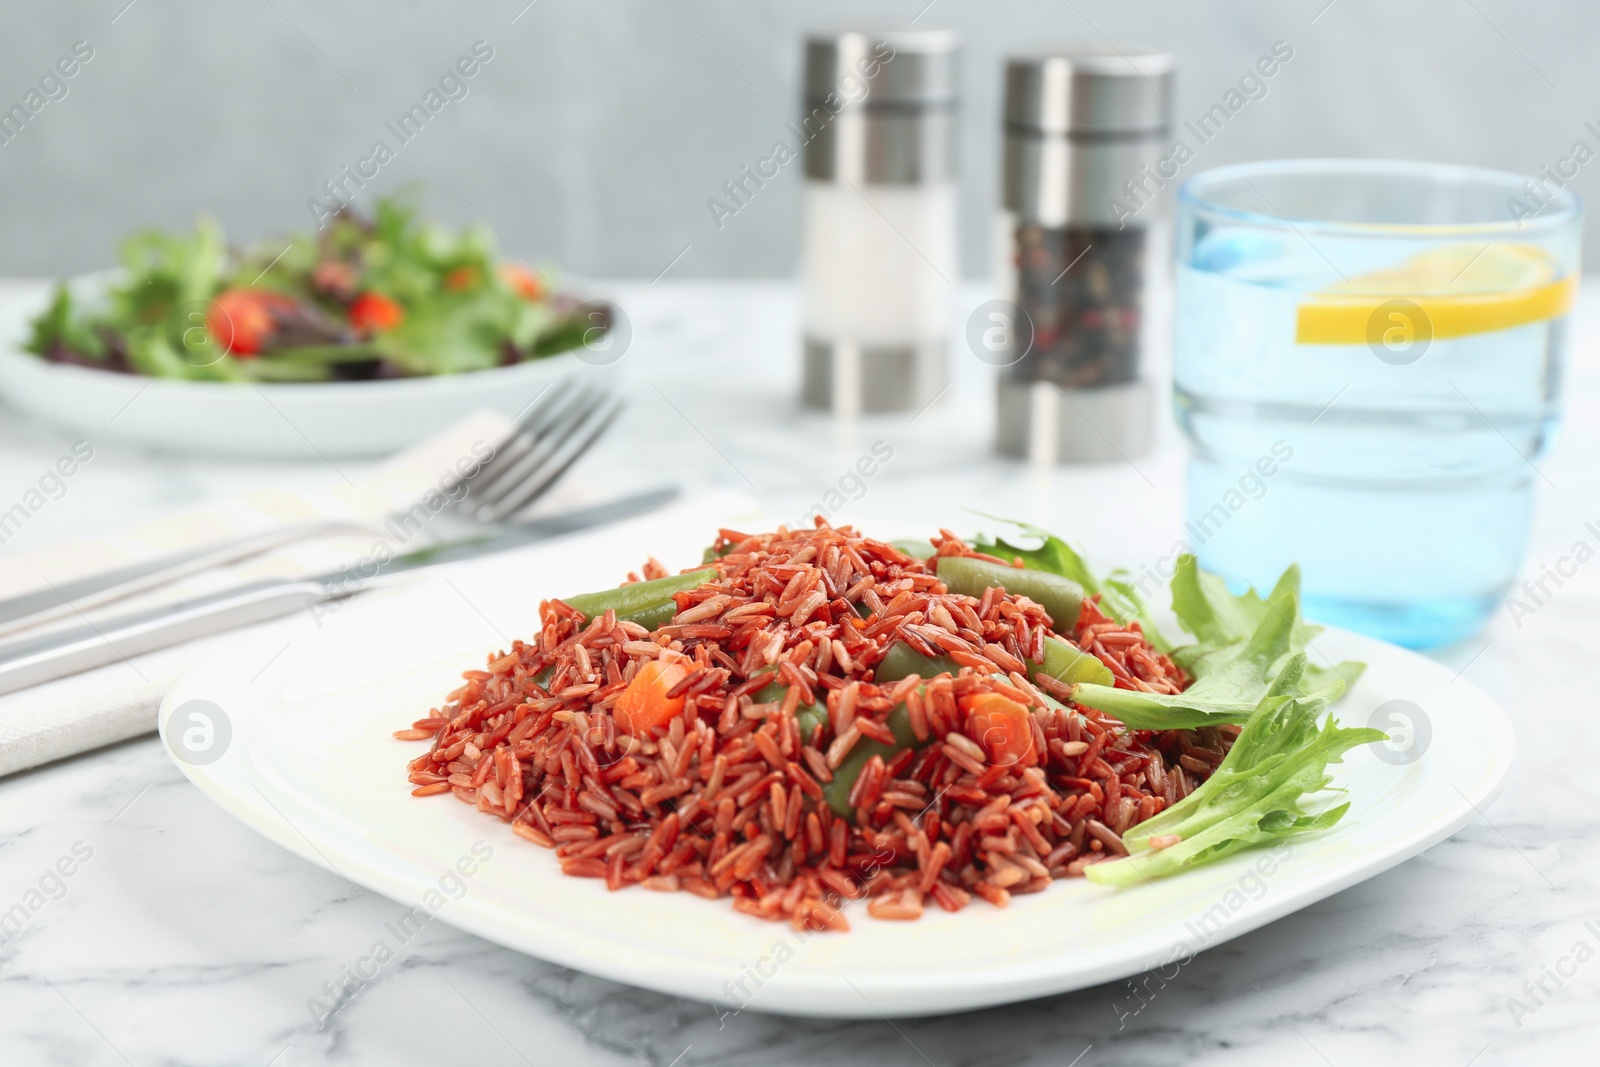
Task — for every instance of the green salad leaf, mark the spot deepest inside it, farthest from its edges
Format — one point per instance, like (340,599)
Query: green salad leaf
(1244,644)
(1259,793)
(1205,608)
(62,324)
(1216,617)
(447,335)
(1249,665)
(1229,681)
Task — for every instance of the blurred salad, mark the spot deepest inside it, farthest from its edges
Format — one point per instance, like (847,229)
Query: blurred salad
(364,298)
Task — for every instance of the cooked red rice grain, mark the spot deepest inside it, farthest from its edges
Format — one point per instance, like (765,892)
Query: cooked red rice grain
(904,905)
(1076,868)
(875,731)
(992,893)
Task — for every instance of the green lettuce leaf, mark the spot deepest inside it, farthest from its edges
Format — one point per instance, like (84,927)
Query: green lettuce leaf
(1216,617)
(1206,609)
(62,322)
(1249,663)
(451,333)
(1229,682)
(1231,673)
(1258,795)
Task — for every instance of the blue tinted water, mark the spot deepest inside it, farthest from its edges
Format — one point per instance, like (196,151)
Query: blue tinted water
(1404,491)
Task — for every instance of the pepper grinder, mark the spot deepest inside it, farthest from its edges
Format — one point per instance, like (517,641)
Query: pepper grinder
(879,251)
(1085,240)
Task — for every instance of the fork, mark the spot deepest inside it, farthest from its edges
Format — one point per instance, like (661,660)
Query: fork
(543,443)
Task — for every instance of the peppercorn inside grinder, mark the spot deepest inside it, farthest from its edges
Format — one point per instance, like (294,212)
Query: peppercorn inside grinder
(1084,246)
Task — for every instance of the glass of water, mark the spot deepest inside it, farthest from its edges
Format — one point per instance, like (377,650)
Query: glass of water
(1367,364)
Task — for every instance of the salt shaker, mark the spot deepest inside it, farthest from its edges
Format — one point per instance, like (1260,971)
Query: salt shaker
(1085,243)
(879,249)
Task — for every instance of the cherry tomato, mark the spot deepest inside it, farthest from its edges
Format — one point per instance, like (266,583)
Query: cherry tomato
(241,320)
(372,312)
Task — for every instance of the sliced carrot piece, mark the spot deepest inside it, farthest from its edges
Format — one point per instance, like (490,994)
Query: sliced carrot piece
(1001,726)
(644,705)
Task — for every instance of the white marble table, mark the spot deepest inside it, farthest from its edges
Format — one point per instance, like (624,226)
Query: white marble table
(181,937)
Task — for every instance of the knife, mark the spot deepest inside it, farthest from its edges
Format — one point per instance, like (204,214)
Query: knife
(29,662)
(75,597)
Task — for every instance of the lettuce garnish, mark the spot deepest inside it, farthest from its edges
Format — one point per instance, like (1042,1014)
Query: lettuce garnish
(1244,644)
(1241,642)
(1249,663)
(1256,796)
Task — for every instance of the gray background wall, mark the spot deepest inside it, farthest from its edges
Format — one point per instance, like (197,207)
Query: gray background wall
(597,132)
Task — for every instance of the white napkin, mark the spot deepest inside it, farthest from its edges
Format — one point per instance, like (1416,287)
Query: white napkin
(113,703)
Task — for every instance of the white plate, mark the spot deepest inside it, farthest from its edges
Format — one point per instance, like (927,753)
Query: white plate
(239,420)
(311,765)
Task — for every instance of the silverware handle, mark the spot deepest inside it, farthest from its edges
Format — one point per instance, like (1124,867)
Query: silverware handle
(70,598)
(31,660)
(43,659)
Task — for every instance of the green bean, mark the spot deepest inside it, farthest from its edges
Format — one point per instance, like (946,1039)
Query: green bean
(1061,661)
(809,716)
(837,792)
(654,617)
(900,660)
(649,604)
(1061,598)
(1071,665)
(806,716)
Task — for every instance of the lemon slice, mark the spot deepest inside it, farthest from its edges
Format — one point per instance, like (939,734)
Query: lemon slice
(1454,291)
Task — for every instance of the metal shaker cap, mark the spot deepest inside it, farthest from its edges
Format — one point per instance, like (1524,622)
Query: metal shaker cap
(880,106)
(882,68)
(1090,92)
(1079,126)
